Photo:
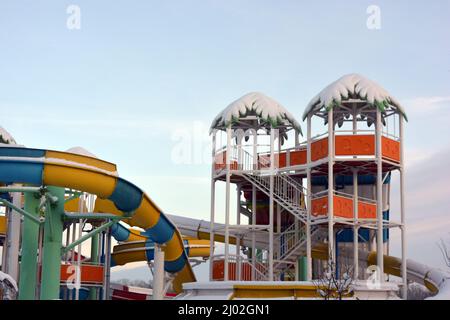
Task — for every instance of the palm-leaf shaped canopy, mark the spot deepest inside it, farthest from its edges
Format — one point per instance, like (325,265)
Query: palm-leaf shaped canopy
(256,111)
(354,87)
(6,137)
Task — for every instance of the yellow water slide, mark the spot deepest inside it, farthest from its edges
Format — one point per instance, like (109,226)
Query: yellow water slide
(62,169)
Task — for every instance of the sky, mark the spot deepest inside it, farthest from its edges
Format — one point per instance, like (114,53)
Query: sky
(139,78)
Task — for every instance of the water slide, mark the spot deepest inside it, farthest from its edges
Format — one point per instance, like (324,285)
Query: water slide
(62,169)
(135,247)
(435,280)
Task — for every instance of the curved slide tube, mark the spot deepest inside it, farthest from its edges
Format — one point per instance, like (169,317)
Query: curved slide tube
(199,229)
(62,169)
(435,280)
(135,247)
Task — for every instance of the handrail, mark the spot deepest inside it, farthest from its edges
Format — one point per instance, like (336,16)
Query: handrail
(303,145)
(324,193)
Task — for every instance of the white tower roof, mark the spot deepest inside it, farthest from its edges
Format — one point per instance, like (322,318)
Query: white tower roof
(265,109)
(353,86)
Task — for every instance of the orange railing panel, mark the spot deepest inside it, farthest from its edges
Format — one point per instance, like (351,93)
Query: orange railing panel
(89,273)
(354,145)
(343,207)
(390,149)
(319,206)
(282,161)
(220,162)
(245,272)
(367,210)
(319,149)
(298,157)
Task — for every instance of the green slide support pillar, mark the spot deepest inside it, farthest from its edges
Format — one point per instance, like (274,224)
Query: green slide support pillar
(94,259)
(302,272)
(30,238)
(51,260)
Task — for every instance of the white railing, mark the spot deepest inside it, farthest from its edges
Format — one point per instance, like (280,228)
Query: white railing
(288,240)
(284,192)
(324,193)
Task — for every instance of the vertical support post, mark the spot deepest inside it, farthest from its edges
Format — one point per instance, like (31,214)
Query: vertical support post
(278,205)
(79,249)
(271,204)
(28,265)
(213,206)
(65,258)
(255,167)
(11,254)
(238,239)
(227,206)
(331,249)
(355,205)
(107,265)
(355,225)
(81,206)
(379,160)
(255,150)
(158,273)
(94,259)
(253,232)
(402,210)
(39,260)
(302,272)
(51,260)
(102,251)
(73,233)
(309,200)
(278,219)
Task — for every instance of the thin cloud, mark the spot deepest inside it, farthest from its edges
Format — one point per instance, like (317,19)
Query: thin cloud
(426,104)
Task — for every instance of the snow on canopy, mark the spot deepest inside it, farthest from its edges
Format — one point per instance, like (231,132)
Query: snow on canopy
(255,103)
(81,151)
(353,86)
(6,137)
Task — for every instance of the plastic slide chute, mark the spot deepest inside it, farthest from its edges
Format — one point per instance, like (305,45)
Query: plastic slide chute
(435,280)
(134,247)
(62,169)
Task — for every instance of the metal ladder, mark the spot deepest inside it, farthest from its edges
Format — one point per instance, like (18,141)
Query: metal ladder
(287,192)
(292,244)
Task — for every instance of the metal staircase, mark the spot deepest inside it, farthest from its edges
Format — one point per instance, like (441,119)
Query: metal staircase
(292,244)
(287,192)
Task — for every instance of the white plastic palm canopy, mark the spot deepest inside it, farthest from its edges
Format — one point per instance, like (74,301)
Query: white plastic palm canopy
(268,111)
(353,86)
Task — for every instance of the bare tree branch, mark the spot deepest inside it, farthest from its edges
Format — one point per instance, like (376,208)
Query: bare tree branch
(334,285)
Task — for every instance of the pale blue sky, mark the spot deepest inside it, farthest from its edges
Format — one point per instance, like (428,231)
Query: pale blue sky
(138,70)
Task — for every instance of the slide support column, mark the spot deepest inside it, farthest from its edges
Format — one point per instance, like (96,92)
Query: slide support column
(51,261)
(158,273)
(94,259)
(28,265)
(379,184)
